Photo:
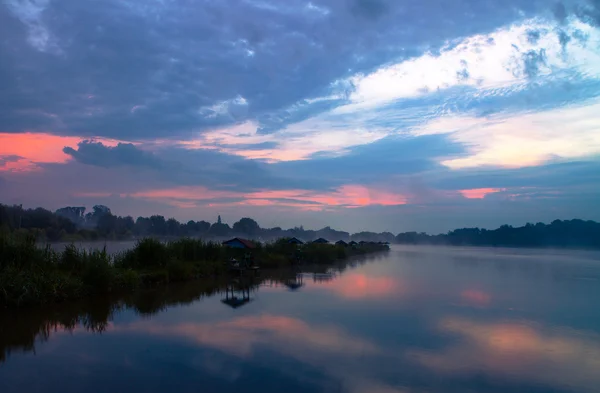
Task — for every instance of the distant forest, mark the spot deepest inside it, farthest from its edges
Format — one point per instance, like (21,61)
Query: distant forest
(73,224)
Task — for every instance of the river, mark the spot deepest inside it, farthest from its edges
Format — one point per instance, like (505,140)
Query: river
(415,319)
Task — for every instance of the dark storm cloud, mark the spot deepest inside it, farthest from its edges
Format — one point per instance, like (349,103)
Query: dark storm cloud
(142,69)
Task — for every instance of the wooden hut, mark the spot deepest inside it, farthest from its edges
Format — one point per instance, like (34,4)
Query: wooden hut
(237,242)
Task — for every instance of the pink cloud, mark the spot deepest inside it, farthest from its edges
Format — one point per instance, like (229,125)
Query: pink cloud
(38,148)
(480,193)
(350,196)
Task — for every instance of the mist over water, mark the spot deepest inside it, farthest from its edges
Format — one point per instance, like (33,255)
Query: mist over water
(416,319)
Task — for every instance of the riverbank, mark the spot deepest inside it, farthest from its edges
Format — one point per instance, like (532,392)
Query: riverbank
(33,275)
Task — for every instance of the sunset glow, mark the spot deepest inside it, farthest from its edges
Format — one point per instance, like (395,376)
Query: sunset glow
(38,148)
(480,193)
(346,196)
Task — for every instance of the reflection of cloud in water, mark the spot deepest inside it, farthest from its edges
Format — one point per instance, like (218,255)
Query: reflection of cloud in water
(362,286)
(328,348)
(562,357)
(240,335)
(475,297)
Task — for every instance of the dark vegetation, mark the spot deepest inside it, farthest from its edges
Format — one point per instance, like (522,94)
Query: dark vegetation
(74,224)
(30,274)
(558,234)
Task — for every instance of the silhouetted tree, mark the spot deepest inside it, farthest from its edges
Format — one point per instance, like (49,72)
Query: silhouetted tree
(247,226)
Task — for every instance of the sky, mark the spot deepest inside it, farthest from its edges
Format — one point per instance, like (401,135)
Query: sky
(382,115)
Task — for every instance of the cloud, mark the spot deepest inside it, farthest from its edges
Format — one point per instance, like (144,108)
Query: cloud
(346,196)
(30,12)
(295,142)
(5,159)
(262,57)
(35,149)
(522,140)
(479,193)
(96,153)
(565,175)
(377,162)
(234,108)
(495,63)
(370,9)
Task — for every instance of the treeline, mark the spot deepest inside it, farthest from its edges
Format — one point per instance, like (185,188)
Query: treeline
(558,234)
(73,223)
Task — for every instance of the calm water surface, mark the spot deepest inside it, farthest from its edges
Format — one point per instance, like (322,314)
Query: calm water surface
(412,320)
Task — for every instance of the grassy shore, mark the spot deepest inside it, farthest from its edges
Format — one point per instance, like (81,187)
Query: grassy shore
(30,274)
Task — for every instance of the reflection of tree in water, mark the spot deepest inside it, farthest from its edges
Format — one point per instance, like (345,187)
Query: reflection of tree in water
(20,330)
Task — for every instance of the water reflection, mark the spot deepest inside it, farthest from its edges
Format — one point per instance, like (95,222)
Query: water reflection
(237,293)
(562,357)
(414,320)
(362,286)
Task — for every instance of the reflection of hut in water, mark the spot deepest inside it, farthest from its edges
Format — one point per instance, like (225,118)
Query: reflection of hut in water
(295,282)
(323,277)
(236,294)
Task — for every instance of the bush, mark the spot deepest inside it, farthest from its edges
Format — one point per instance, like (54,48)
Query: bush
(269,260)
(151,253)
(71,259)
(24,287)
(127,279)
(180,271)
(98,274)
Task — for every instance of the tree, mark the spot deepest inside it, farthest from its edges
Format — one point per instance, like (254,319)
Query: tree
(158,225)
(173,227)
(217,229)
(247,226)
(75,214)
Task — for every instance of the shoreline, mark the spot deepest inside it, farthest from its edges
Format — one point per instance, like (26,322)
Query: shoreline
(32,275)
